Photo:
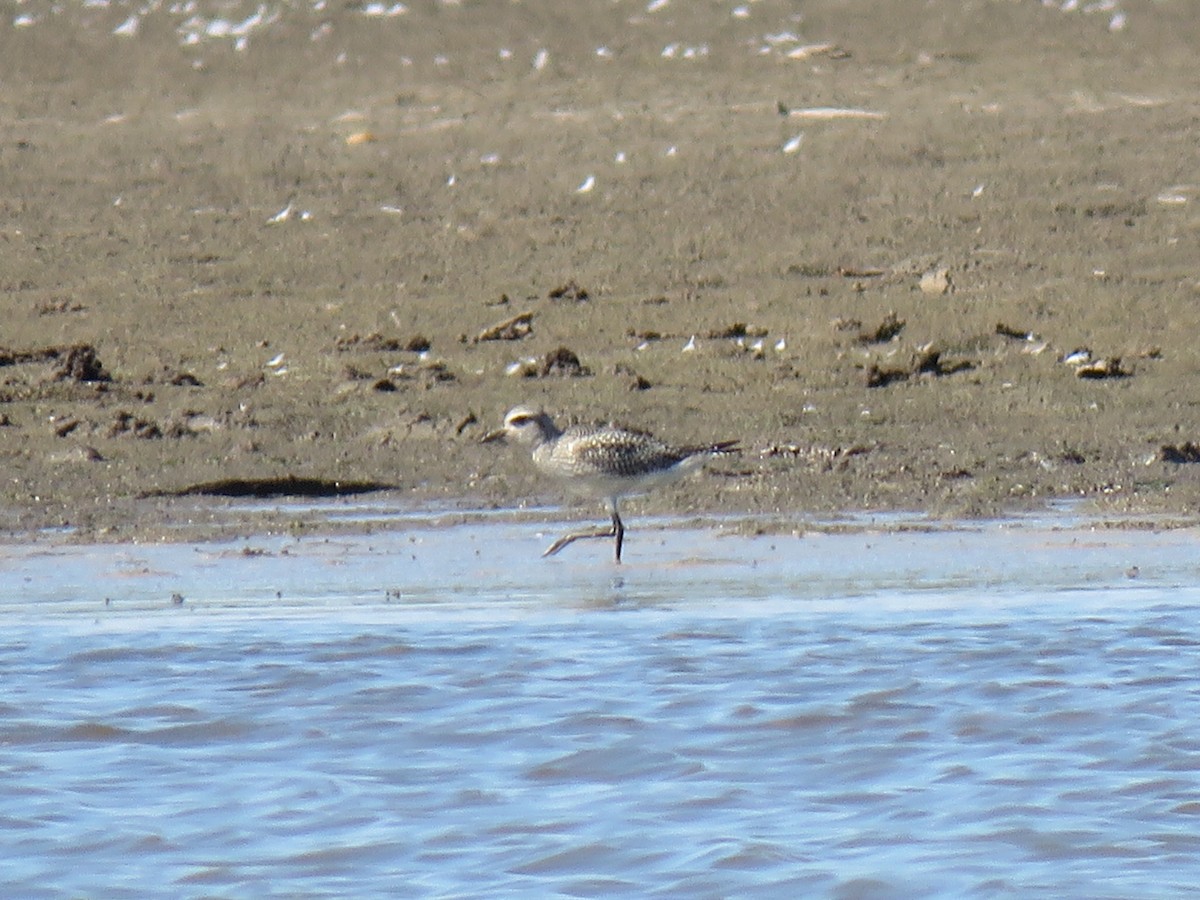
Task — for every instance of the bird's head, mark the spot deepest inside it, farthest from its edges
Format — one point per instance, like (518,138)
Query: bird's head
(526,425)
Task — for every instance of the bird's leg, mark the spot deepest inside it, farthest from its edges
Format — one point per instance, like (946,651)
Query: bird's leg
(578,536)
(616,530)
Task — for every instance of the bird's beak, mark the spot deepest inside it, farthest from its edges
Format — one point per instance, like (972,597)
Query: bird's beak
(493,436)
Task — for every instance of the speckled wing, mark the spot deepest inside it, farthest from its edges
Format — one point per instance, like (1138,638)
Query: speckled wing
(610,453)
(627,454)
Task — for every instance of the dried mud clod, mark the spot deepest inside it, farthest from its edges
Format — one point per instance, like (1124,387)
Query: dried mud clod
(427,374)
(189,423)
(645,336)
(466,422)
(825,459)
(929,362)
(878,377)
(1095,367)
(181,378)
(737,330)
(890,327)
(80,363)
(418,343)
(636,382)
(372,343)
(126,423)
(861,272)
(926,361)
(246,382)
(73,362)
(846,323)
(511,329)
(9,357)
(58,306)
(562,363)
(1187,452)
(569,291)
(1008,331)
(377,343)
(436,373)
(1109,367)
(811,270)
(66,426)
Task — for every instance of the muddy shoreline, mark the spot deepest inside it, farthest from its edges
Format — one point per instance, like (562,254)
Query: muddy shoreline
(949,267)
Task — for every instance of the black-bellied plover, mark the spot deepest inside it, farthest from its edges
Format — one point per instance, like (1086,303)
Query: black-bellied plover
(602,461)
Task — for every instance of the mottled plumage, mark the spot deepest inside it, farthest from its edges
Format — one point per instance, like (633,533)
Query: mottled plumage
(602,461)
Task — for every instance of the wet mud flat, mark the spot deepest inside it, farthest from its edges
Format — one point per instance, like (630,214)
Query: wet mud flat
(365,561)
(947,267)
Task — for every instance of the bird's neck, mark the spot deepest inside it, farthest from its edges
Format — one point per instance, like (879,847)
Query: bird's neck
(547,431)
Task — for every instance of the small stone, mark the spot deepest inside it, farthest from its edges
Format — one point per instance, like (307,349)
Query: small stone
(936,282)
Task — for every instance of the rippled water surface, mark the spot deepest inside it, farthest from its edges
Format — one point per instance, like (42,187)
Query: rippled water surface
(1009,710)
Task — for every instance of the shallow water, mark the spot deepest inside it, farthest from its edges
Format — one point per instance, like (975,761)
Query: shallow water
(435,711)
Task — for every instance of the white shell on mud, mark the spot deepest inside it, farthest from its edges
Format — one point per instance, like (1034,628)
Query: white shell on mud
(835,112)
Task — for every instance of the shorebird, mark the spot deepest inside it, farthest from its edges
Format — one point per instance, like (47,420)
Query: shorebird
(602,461)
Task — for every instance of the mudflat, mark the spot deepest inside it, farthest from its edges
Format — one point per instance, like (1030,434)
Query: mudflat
(912,255)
